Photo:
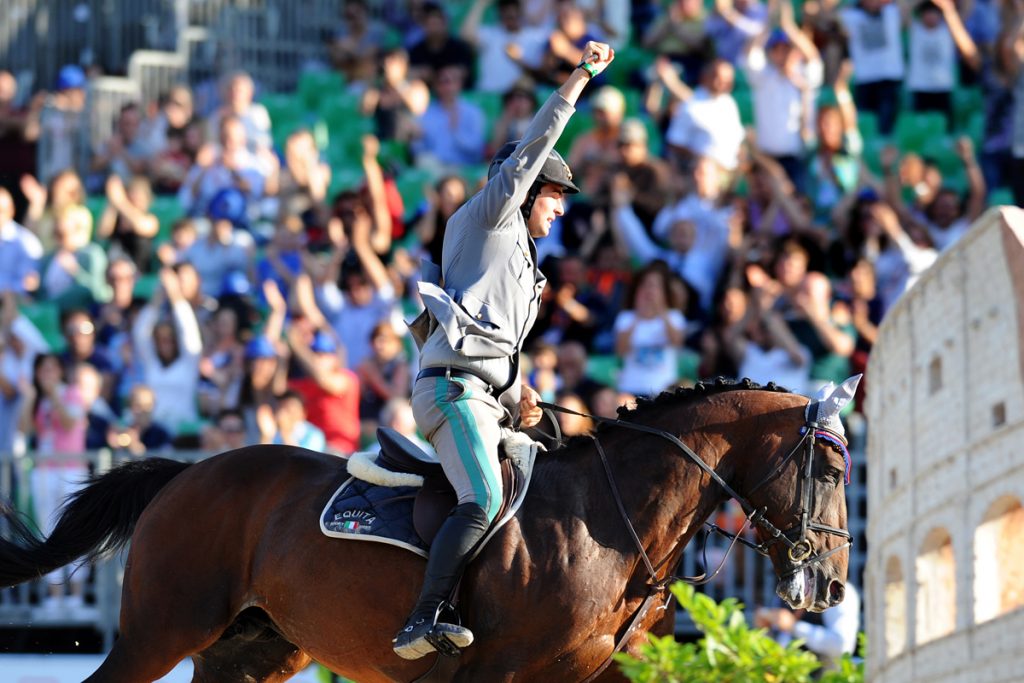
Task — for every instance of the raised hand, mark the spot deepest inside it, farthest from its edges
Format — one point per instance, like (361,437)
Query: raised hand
(598,55)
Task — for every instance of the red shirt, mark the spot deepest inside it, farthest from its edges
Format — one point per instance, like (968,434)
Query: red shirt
(336,414)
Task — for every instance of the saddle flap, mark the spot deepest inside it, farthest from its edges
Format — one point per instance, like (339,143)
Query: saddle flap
(399,454)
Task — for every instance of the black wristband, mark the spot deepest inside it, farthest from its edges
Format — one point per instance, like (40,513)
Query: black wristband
(588,67)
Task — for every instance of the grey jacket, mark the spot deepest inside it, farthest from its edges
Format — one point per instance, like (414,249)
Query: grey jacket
(483,300)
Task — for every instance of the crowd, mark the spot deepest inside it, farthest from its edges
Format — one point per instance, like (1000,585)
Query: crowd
(756,195)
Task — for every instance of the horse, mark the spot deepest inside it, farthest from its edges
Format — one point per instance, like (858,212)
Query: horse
(227,564)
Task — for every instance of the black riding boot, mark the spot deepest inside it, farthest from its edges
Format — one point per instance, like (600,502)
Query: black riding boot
(459,534)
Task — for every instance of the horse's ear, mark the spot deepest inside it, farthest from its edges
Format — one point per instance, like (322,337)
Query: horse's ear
(825,407)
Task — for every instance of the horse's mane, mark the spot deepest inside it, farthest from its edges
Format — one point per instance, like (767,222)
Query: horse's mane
(679,395)
(702,389)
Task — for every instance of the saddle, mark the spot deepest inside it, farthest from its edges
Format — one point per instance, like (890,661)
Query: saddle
(436,497)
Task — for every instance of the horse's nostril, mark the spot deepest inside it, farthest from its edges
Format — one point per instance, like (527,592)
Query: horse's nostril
(836,592)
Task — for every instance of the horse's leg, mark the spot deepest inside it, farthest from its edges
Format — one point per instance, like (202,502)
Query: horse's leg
(259,655)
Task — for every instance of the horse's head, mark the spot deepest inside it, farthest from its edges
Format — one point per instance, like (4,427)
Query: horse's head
(801,493)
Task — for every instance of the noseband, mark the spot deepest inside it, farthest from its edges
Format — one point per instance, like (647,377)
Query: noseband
(800,552)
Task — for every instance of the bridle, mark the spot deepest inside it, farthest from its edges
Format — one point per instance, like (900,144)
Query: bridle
(800,552)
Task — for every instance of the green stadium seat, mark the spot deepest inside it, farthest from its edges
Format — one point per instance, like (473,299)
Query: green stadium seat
(96,205)
(867,124)
(317,87)
(167,210)
(145,286)
(966,103)
(914,129)
(1001,196)
(580,122)
(745,102)
(410,185)
(689,361)
(45,316)
(604,369)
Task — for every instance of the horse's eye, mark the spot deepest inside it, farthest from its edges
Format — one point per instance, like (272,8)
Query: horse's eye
(833,475)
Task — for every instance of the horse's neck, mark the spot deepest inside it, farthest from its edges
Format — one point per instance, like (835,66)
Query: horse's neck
(665,495)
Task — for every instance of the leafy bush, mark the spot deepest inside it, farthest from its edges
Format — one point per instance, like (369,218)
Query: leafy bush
(729,652)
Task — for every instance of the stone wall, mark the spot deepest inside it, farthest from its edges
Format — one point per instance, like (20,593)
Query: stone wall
(946,468)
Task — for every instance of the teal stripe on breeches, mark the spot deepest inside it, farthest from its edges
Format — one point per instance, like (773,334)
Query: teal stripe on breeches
(471,449)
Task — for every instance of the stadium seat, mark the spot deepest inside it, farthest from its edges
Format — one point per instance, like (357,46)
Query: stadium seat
(46,318)
(604,369)
(317,87)
(167,209)
(915,129)
(1001,196)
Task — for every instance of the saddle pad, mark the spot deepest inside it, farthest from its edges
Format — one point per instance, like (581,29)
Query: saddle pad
(362,511)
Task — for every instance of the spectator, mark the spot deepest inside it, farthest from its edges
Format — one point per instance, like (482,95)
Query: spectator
(54,412)
(439,48)
(359,38)
(80,339)
(596,152)
(304,180)
(283,259)
(329,391)
(565,43)
(225,249)
(45,204)
(452,130)
(441,202)
(62,125)
(126,221)
(74,274)
(19,133)
(367,299)
(170,121)
(293,429)
(874,28)
(231,165)
(221,364)
(397,100)
(265,372)
(937,34)
(650,176)
(578,311)
(734,24)
(126,152)
(572,372)
(721,341)
(1011,50)
(383,375)
(183,236)
(707,120)
(169,352)
(783,69)
(397,414)
(518,105)
(681,36)
(572,425)
(238,104)
(834,169)
(99,415)
(20,343)
(804,299)
(230,430)
(138,433)
(112,319)
(20,251)
(767,351)
(541,375)
(829,635)
(493,44)
(649,333)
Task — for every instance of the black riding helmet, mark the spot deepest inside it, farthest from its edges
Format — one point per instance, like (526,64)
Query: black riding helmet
(554,171)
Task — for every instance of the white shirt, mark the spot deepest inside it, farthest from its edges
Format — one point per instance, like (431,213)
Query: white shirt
(875,43)
(778,102)
(944,239)
(775,365)
(497,72)
(214,260)
(932,59)
(708,126)
(838,632)
(652,363)
(354,324)
(175,386)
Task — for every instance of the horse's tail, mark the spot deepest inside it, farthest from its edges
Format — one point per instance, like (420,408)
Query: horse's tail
(96,519)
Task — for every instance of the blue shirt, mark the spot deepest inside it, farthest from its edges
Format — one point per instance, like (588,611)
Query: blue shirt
(16,259)
(460,142)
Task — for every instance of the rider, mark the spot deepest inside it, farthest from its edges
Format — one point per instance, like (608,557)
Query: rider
(480,304)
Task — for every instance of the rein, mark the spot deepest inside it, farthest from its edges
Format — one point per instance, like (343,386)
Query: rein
(799,551)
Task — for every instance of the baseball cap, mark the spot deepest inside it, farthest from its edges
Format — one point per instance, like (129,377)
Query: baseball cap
(633,130)
(777,37)
(609,98)
(227,205)
(70,76)
(260,347)
(323,343)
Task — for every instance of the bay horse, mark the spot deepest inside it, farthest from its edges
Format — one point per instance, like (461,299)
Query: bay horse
(228,566)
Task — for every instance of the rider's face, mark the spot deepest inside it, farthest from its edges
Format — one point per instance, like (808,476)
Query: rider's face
(546,208)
